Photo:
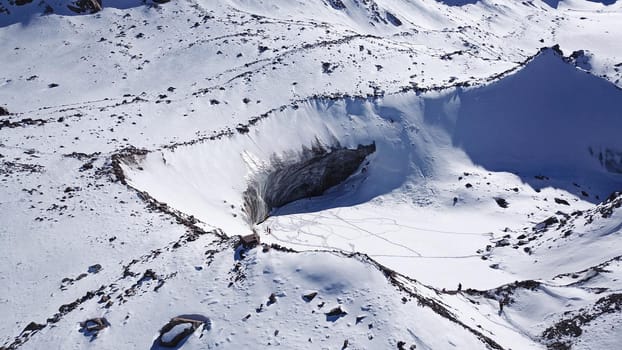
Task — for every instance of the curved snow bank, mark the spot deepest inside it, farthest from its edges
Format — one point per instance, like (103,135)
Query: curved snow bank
(441,161)
(209,180)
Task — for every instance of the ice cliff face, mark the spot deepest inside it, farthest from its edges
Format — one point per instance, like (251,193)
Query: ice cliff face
(318,170)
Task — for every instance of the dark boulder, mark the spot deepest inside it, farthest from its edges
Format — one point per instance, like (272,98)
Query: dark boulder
(92,326)
(335,313)
(561,201)
(309,296)
(502,202)
(178,329)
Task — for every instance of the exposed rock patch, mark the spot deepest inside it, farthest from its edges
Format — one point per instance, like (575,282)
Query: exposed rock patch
(561,334)
(318,170)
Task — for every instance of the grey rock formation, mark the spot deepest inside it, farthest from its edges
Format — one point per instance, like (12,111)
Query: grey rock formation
(318,170)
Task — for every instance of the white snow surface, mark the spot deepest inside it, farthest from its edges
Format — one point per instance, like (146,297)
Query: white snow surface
(134,132)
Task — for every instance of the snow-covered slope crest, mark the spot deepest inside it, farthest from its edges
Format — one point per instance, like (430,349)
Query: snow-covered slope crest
(295,300)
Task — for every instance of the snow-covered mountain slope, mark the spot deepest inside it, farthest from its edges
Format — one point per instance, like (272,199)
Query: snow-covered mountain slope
(385,152)
(440,156)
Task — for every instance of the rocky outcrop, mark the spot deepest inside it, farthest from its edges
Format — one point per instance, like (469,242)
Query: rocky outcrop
(93,326)
(86,6)
(337,4)
(178,329)
(318,170)
(564,333)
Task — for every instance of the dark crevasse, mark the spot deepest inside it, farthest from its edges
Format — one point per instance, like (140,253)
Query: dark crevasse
(317,170)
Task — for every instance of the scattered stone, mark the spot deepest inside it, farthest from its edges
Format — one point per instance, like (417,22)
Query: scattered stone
(309,297)
(546,223)
(271,299)
(149,275)
(33,326)
(393,20)
(92,327)
(502,243)
(335,313)
(328,67)
(561,201)
(337,4)
(501,202)
(95,268)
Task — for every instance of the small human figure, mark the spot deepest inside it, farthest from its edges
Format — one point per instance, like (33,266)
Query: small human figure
(459,287)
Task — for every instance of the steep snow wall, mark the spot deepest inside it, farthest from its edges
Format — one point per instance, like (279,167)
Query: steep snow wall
(318,170)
